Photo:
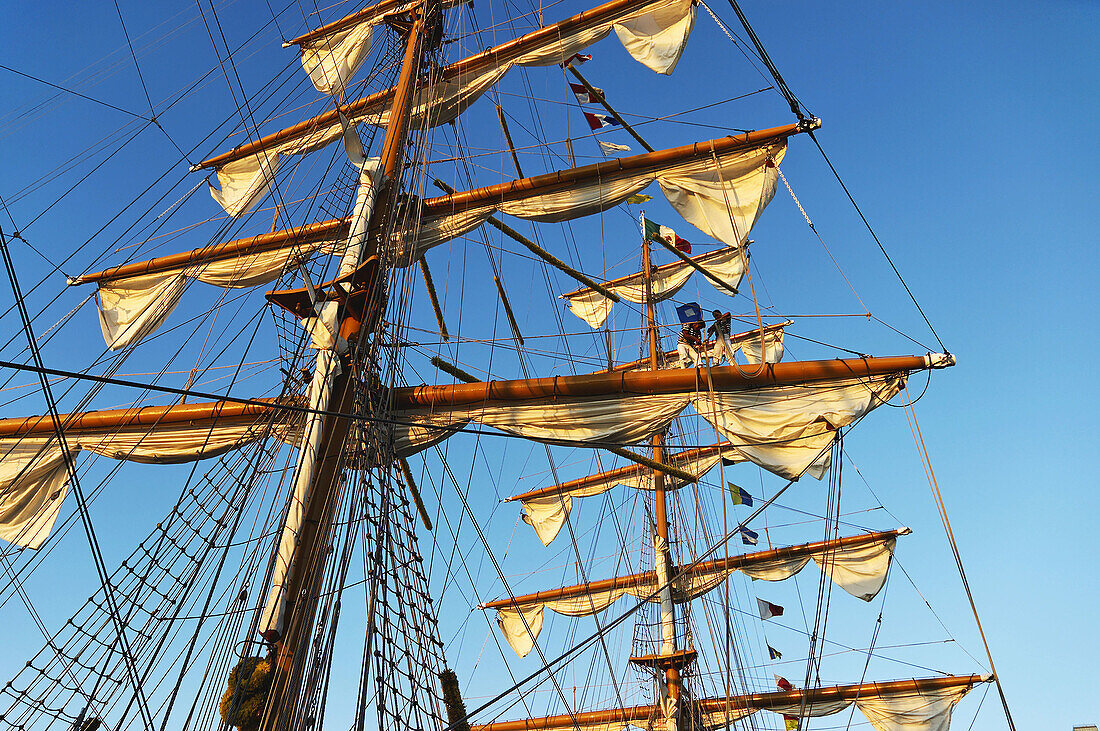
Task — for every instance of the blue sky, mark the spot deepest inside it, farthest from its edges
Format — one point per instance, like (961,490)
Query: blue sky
(966,132)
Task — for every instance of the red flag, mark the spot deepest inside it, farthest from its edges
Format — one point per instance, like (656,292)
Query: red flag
(768,610)
(782,683)
(596,121)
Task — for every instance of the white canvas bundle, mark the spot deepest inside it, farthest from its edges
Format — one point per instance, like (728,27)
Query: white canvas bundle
(773,346)
(547,513)
(654,34)
(34,476)
(593,307)
(617,419)
(332,60)
(787,430)
(725,201)
(132,308)
(859,570)
(927,710)
(245,182)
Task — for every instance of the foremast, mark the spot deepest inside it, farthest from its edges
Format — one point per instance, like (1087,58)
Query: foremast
(359,302)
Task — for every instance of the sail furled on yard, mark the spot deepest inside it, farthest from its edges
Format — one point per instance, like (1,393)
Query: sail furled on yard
(748,184)
(782,416)
(33,471)
(593,307)
(653,31)
(787,430)
(136,299)
(857,564)
(918,704)
(546,509)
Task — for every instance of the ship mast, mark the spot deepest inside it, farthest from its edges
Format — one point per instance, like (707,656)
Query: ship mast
(303,580)
(662,558)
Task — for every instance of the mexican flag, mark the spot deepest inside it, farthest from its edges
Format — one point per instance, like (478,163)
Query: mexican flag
(656,232)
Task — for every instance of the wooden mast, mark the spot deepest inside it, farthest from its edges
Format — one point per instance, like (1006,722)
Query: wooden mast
(306,571)
(662,556)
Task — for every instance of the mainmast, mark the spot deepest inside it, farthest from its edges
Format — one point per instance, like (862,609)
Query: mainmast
(359,295)
(668,658)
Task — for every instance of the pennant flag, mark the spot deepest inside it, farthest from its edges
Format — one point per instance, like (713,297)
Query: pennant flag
(768,610)
(774,654)
(782,683)
(583,95)
(656,232)
(638,198)
(739,495)
(690,312)
(612,147)
(790,723)
(576,58)
(598,121)
(749,537)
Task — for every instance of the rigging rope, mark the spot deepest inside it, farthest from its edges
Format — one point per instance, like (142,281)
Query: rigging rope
(933,484)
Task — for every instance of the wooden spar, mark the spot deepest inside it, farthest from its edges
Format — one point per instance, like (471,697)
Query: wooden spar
(453,370)
(698,258)
(606,170)
(508,311)
(607,13)
(598,96)
(332,229)
(679,380)
(191,414)
(434,298)
(752,702)
(538,250)
(694,265)
(652,464)
(415,492)
(620,473)
(669,356)
(371,13)
(733,563)
(508,139)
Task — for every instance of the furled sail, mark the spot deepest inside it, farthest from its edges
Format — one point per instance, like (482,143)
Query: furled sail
(919,704)
(135,299)
(653,31)
(33,472)
(858,564)
(773,339)
(547,508)
(745,163)
(333,53)
(788,430)
(770,416)
(593,307)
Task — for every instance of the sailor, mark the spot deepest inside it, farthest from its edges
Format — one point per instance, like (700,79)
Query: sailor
(690,345)
(721,330)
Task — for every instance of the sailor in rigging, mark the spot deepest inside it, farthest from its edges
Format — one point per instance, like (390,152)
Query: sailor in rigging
(689,345)
(721,330)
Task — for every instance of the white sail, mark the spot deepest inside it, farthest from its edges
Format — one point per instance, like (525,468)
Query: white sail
(653,31)
(593,307)
(34,476)
(859,569)
(788,429)
(547,510)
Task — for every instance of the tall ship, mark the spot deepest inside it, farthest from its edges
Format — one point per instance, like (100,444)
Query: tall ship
(460,393)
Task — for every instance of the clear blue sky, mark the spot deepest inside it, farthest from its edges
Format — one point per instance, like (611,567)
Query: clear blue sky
(967,132)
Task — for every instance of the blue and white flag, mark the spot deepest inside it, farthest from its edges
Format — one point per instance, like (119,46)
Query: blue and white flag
(749,537)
